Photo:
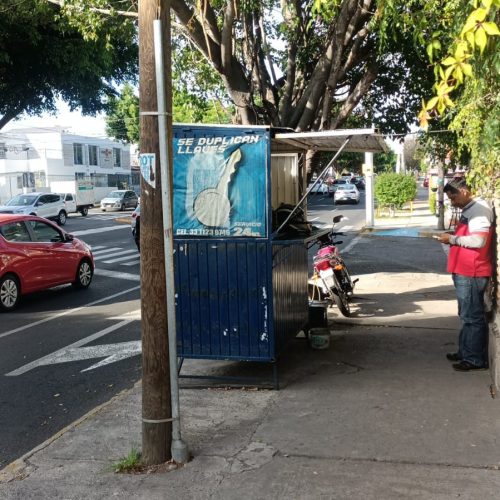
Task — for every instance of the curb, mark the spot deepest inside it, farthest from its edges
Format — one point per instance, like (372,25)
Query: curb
(17,469)
(124,221)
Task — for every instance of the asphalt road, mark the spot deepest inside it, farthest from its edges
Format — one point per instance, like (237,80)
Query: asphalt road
(63,352)
(41,392)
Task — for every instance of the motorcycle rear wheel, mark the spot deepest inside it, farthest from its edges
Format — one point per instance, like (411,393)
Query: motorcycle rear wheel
(341,303)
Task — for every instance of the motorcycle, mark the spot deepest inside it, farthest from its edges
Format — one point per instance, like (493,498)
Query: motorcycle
(331,275)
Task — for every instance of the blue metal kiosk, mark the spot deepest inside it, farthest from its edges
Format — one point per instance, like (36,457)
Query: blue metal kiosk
(241,289)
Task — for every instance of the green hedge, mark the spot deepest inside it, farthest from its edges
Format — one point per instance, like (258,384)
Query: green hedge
(395,189)
(432,203)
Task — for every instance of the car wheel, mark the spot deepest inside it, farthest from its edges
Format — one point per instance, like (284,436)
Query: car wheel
(123,207)
(84,275)
(10,292)
(61,218)
(84,211)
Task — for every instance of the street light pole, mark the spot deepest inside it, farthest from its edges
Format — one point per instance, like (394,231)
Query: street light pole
(369,195)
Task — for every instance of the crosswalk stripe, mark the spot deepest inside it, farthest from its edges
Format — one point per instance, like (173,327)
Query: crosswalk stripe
(102,257)
(97,248)
(108,250)
(138,261)
(127,257)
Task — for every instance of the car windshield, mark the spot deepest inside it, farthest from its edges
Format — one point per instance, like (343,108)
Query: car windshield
(340,181)
(115,194)
(346,187)
(22,200)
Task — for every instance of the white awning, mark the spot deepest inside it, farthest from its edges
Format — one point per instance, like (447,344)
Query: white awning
(368,140)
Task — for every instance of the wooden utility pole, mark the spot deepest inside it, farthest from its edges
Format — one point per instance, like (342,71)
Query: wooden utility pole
(156,404)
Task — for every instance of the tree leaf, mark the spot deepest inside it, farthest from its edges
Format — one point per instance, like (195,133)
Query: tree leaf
(470,23)
(481,14)
(432,103)
(430,50)
(458,74)
(491,28)
(449,61)
(481,39)
(470,38)
(467,69)
(487,3)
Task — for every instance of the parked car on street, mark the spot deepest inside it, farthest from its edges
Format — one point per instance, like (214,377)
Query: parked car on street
(136,217)
(121,199)
(346,193)
(47,205)
(321,187)
(36,254)
(359,182)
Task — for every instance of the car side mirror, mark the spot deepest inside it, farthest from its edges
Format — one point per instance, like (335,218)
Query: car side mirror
(68,237)
(39,204)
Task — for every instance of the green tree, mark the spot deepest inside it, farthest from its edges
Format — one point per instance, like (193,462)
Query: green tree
(43,56)
(122,120)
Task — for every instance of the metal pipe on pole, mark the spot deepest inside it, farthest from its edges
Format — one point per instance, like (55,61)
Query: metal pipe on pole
(179,448)
(369,195)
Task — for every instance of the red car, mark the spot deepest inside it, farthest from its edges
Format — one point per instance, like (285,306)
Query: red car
(36,254)
(426,182)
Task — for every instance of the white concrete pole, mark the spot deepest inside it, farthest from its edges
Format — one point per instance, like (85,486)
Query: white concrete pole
(369,196)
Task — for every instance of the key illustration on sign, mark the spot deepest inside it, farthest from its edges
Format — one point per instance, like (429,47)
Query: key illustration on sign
(212,206)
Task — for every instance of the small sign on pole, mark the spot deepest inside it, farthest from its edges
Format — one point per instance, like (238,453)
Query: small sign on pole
(148,165)
(367,170)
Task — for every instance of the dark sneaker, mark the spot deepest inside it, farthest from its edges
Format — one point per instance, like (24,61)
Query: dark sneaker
(453,356)
(465,366)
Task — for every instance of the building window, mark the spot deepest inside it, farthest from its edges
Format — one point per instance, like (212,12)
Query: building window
(117,157)
(3,151)
(93,155)
(78,154)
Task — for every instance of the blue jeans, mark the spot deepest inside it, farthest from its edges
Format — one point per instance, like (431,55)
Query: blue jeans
(472,339)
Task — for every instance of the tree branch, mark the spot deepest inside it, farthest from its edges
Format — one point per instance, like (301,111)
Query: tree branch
(107,12)
(353,100)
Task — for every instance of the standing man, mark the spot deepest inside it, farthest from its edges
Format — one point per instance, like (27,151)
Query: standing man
(470,262)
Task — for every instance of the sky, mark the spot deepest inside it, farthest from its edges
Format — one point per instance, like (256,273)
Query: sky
(72,122)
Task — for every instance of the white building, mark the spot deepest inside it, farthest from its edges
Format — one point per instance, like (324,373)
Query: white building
(30,159)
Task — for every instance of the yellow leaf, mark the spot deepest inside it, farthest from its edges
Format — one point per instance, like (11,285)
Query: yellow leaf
(458,74)
(467,69)
(480,39)
(448,101)
(449,71)
(432,103)
(449,61)
(470,23)
(424,122)
(491,28)
(441,107)
(487,3)
(461,50)
(480,14)
(441,73)
(470,39)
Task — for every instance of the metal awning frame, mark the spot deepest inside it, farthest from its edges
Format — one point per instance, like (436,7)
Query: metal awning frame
(367,140)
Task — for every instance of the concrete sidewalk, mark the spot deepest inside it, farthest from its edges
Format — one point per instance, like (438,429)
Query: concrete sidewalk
(380,415)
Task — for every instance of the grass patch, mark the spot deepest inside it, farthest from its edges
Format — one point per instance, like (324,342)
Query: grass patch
(131,464)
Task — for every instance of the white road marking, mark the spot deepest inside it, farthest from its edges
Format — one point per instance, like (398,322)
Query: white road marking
(112,352)
(70,311)
(126,257)
(117,274)
(138,261)
(115,254)
(347,228)
(108,250)
(96,248)
(100,230)
(353,242)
